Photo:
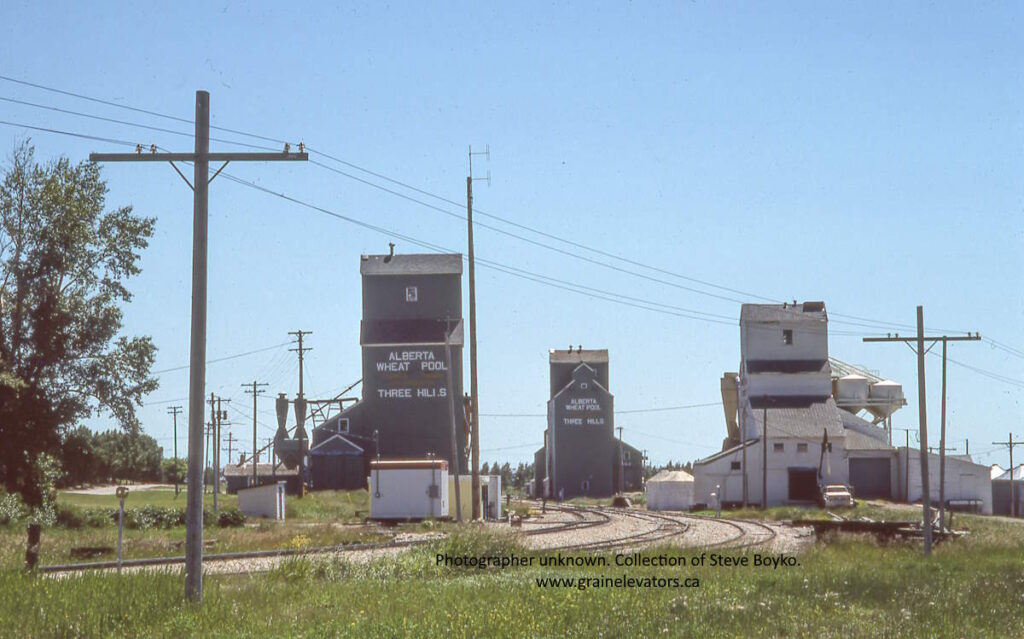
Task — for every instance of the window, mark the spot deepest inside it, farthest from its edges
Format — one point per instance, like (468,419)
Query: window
(584,385)
(778,447)
(787,336)
(625,457)
(801,448)
(735,466)
(411,294)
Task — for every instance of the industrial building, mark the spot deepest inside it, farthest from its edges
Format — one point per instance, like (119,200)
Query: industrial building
(793,423)
(1001,491)
(411,304)
(581,456)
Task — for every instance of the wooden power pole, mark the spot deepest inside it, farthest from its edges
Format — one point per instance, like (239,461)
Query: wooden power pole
(474,397)
(201,158)
(256,392)
(1009,443)
(174,410)
(922,416)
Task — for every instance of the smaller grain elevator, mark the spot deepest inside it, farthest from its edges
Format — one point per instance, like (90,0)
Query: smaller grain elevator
(581,456)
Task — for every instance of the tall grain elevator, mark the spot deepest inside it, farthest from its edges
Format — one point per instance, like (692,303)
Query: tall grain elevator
(581,456)
(410,302)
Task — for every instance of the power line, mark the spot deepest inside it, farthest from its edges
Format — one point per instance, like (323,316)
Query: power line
(223,359)
(69,133)
(873,323)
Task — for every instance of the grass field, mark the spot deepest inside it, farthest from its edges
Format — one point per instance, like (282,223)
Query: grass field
(847,587)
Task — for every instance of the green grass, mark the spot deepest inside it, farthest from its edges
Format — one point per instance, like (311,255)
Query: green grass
(318,519)
(848,588)
(139,498)
(844,587)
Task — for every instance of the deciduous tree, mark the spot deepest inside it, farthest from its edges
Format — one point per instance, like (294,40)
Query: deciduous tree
(64,266)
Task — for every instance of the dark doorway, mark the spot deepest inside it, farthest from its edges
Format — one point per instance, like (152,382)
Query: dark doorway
(870,477)
(803,484)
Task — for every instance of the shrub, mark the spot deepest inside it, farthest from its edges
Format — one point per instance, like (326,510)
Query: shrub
(230,518)
(12,509)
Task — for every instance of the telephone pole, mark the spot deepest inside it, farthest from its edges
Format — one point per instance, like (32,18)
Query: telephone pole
(764,458)
(201,158)
(474,397)
(906,466)
(1009,443)
(255,392)
(300,350)
(622,466)
(222,416)
(451,408)
(231,438)
(922,413)
(174,410)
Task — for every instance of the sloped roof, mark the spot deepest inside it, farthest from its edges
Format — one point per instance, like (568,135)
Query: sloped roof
(412,264)
(1018,474)
(336,445)
(800,417)
(671,476)
(859,441)
(862,434)
(726,452)
(806,312)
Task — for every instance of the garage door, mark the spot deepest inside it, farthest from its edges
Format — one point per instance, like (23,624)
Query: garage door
(870,477)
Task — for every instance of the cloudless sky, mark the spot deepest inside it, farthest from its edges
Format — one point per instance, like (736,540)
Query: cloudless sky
(869,155)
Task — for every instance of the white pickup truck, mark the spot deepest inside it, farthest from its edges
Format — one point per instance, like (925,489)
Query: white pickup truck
(836,496)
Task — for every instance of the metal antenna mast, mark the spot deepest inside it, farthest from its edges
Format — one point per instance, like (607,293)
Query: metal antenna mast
(922,414)
(201,158)
(473,396)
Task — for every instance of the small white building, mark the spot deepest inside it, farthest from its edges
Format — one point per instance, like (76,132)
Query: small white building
(670,490)
(263,501)
(408,489)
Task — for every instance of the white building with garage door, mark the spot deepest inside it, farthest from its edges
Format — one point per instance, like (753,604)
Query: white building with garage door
(791,416)
(797,419)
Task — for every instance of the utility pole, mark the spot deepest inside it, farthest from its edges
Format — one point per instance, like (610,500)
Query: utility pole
(1009,443)
(474,400)
(222,416)
(921,339)
(209,434)
(300,350)
(174,410)
(255,392)
(451,407)
(906,467)
(201,158)
(743,463)
(230,441)
(622,469)
(764,459)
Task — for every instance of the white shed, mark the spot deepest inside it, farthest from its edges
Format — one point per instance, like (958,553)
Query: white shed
(670,490)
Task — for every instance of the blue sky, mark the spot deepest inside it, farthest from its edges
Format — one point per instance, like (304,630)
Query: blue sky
(868,155)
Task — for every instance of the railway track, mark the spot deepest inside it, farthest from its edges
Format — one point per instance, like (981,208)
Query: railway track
(745,534)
